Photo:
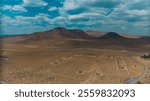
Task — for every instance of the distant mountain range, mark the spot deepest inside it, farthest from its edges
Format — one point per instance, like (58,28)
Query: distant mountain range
(63,33)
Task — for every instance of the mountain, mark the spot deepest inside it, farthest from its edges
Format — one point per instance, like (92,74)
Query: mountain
(63,34)
(95,33)
(112,35)
(57,33)
(73,33)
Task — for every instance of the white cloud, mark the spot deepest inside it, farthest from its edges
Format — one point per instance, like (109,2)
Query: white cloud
(71,4)
(90,6)
(142,24)
(138,12)
(113,22)
(34,3)
(19,8)
(84,15)
(11,22)
(123,27)
(123,15)
(53,8)
(74,4)
(6,7)
(24,21)
(31,3)
(14,8)
(60,20)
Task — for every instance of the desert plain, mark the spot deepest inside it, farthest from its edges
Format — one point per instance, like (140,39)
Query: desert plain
(62,56)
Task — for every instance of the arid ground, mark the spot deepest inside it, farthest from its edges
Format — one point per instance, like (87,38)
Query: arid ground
(51,58)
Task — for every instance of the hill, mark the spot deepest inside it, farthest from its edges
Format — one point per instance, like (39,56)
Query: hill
(112,35)
(57,33)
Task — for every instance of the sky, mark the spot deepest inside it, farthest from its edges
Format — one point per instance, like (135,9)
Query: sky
(28,16)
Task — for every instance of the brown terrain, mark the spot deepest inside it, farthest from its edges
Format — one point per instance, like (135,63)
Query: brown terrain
(73,56)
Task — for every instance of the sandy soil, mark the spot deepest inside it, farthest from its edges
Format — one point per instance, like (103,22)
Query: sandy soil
(72,61)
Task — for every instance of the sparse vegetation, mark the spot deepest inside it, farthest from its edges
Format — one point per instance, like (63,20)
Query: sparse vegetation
(3,57)
(146,56)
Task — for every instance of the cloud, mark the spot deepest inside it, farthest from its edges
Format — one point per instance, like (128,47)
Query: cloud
(142,24)
(84,15)
(6,7)
(70,5)
(14,8)
(24,21)
(19,8)
(34,3)
(108,14)
(138,12)
(75,4)
(81,8)
(53,8)
(127,16)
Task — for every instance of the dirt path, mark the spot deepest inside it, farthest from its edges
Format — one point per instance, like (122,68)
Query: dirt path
(126,68)
(134,80)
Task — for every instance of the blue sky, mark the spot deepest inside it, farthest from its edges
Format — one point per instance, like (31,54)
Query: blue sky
(28,16)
